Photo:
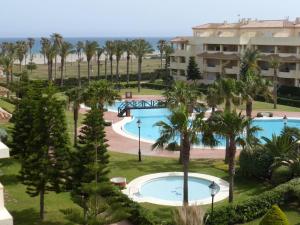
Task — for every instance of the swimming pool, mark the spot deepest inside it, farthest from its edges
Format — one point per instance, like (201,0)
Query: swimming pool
(167,188)
(150,133)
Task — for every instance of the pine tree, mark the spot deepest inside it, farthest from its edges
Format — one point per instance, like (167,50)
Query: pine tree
(45,164)
(193,72)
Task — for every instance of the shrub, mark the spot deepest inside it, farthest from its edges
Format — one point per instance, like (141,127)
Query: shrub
(275,217)
(3,135)
(281,175)
(255,163)
(255,207)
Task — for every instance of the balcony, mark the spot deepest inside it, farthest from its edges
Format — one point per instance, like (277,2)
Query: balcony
(287,74)
(267,72)
(213,68)
(232,70)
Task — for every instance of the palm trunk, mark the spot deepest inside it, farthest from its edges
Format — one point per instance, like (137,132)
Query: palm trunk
(249,108)
(20,66)
(49,71)
(275,89)
(98,69)
(42,204)
(213,110)
(7,78)
(75,112)
(232,151)
(89,71)
(79,75)
(111,69)
(55,61)
(117,71)
(127,68)
(139,73)
(105,68)
(181,150)
(62,72)
(186,159)
(161,60)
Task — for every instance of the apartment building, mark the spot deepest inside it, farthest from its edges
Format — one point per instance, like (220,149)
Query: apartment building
(218,48)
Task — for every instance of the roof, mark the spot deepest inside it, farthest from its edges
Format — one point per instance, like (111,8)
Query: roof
(180,39)
(245,24)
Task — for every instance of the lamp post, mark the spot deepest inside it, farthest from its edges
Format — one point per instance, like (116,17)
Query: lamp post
(285,120)
(139,122)
(213,187)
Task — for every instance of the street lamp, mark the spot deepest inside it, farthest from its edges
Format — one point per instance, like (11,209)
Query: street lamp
(139,122)
(285,120)
(213,187)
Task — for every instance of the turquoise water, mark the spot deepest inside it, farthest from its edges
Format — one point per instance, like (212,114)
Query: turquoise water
(150,132)
(171,188)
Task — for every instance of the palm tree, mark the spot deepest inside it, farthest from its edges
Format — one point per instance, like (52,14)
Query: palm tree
(75,96)
(30,42)
(161,47)
(275,64)
(50,52)
(168,49)
(21,50)
(231,125)
(251,86)
(185,95)
(79,48)
(128,50)
(100,93)
(140,48)
(99,52)
(179,125)
(118,50)
(57,42)
(249,62)
(213,98)
(10,54)
(7,62)
(44,42)
(109,47)
(66,49)
(90,50)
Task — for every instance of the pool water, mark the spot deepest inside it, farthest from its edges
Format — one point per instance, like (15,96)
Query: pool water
(151,133)
(171,188)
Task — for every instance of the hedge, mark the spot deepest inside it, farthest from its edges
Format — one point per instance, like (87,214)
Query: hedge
(255,207)
(289,92)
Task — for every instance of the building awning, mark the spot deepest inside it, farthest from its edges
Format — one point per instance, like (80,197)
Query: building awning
(179,40)
(219,55)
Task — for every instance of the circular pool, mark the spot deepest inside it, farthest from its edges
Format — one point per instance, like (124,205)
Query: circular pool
(167,189)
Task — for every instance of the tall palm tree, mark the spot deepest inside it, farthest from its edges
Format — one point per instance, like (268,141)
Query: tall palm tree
(109,47)
(231,125)
(275,64)
(21,50)
(57,42)
(66,49)
(44,42)
(118,50)
(161,47)
(30,42)
(168,50)
(185,95)
(179,124)
(75,96)
(99,53)
(89,49)
(10,53)
(140,48)
(50,52)
(79,48)
(249,62)
(128,50)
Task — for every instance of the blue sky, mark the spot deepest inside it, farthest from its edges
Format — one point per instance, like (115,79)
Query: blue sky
(107,18)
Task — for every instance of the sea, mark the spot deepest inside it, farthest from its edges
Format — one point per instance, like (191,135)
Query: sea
(101,41)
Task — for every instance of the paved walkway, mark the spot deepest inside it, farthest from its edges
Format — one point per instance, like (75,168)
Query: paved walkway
(119,143)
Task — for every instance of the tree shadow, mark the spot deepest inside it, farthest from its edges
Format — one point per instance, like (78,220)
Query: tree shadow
(31,217)
(9,179)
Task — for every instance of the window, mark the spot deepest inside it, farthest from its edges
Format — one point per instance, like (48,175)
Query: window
(182,59)
(182,72)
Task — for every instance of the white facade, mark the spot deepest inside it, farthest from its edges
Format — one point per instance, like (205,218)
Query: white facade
(5,217)
(218,47)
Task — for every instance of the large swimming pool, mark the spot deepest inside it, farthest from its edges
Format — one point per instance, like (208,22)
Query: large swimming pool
(150,132)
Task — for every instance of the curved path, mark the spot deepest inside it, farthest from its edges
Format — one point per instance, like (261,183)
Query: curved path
(119,143)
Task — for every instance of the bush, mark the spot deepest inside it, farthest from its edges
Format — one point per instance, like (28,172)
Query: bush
(281,175)
(3,135)
(289,92)
(255,207)
(275,217)
(255,163)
